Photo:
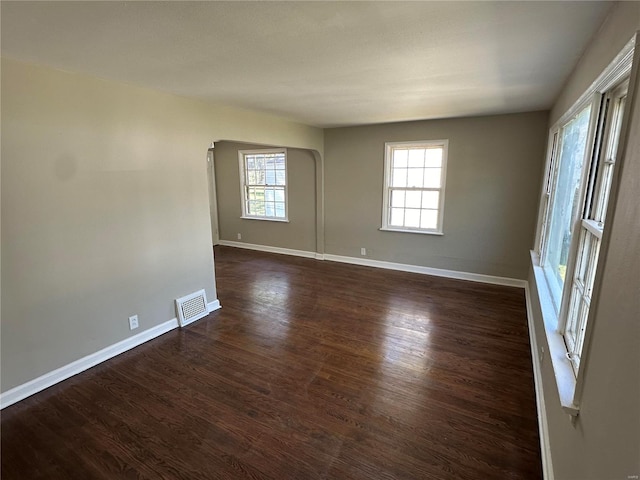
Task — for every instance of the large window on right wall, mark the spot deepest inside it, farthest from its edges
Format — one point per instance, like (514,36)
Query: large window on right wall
(575,197)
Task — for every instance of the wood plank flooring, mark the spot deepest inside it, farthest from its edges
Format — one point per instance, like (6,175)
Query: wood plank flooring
(311,370)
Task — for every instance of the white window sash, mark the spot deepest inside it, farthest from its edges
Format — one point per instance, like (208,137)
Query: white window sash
(245,186)
(388,188)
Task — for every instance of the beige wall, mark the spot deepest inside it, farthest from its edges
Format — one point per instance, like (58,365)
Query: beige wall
(299,233)
(104,209)
(604,443)
(493,179)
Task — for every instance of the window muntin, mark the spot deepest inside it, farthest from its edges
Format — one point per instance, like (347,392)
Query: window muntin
(414,186)
(263,178)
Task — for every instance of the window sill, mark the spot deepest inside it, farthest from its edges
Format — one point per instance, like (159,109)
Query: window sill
(562,369)
(406,230)
(266,219)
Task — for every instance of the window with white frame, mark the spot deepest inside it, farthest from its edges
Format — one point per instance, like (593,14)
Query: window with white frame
(575,196)
(414,181)
(263,182)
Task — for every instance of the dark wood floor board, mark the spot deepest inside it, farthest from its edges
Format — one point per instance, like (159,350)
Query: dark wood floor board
(312,370)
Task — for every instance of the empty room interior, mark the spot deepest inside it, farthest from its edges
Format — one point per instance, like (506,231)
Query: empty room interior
(320,240)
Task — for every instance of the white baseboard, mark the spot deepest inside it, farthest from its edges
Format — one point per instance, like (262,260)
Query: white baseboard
(438,272)
(267,248)
(213,306)
(367,262)
(543,426)
(48,379)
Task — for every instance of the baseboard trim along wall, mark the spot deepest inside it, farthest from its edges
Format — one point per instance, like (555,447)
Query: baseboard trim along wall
(437,272)
(267,248)
(367,262)
(543,426)
(213,306)
(56,376)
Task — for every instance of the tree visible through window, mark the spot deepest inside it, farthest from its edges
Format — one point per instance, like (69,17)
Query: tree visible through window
(263,178)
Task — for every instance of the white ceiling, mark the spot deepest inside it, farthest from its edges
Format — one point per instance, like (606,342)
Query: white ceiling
(319,63)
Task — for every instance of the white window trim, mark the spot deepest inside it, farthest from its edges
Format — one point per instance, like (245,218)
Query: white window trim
(389,146)
(568,383)
(243,189)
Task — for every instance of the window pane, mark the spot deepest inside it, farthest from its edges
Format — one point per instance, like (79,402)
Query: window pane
(280,210)
(416,158)
(399,177)
(256,208)
(430,199)
(413,199)
(279,194)
(432,177)
(256,193)
(251,163)
(400,158)
(429,219)
(270,161)
(565,202)
(397,217)
(269,195)
(414,177)
(270,177)
(259,159)
(433,157)
(270,209)
(280,177)
(397,198)
(280,162)
(412,218)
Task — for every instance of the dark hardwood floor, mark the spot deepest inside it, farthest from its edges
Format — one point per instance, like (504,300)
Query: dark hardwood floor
(311,370)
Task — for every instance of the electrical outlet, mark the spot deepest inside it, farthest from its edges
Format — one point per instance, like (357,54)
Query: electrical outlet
(363,251)
(133,322)
(239,236)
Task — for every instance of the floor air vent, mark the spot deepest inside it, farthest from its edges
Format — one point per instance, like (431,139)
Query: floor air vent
(192,307)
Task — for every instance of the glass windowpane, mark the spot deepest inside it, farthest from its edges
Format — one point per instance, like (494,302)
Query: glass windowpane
(412,218)
(433,157)
(397,198)
(400,157)
(430,199)
(270,209)
(270,161)
(432,177)
(399,177)
(270,177)
(416,158)
(397,217)
(429,219)
(413,199)
(414,177)
(269,195)
(565,202)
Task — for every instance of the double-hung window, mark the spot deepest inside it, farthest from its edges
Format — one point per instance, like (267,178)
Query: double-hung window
(263,184)
(575,196)
(414,181)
